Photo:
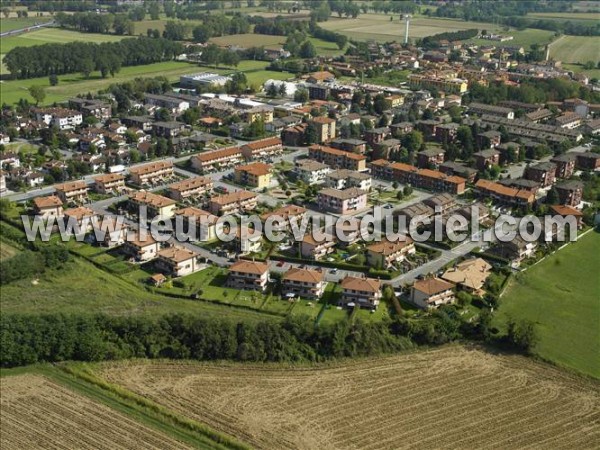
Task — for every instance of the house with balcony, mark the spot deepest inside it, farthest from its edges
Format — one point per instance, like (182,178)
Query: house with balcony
(570,193)
(46,207)
(72,191)
(110,232)
(304,283)
(361,292)
(338,159)
(256,175)
(342,201)
(544,173)
(109,183)
(430,158)
(156,205)
(141,246)
(220,159)
(178,261)
(202,225)
(565,165)
(190,188)
(263,148)
(311,171)
(469,275)
(287,214)
(80,216)
(318,247)
(432,292)
(234,202)
(325,128)
(485,159)
(154,172)
(344,178)
(385,254)
(248,275)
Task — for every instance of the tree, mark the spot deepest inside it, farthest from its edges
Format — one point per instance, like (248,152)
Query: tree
(154,11)
(282,90)
(399,195)
(552,197)
(523,336)
(301,95)
(38,93)
(310,135)
(175,31)
(413,141)
(272,90)
(53,79)
(6,12)
(86,66)
(308,50)
(407,191)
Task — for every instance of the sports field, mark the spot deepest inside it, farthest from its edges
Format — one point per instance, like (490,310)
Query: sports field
(378,27)
(447,397)
(576,49)
(562,296)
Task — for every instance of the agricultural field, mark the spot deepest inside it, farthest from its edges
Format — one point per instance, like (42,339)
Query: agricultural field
(525,38)
(38,412)
(564,16)
(560,295)
(378,27)
(457,395)
(576,49)
(17,24)
(273,42)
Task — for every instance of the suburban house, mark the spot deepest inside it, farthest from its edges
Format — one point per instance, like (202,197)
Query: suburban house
(516,250)
(204,223)
(249,275)
(342,201)
(256,174)
(233,202)
(177,261)
(312,248)
(191,187)
(344,178)
(362,292)
(325,128)
(46,207)
(157,205)
(142,248)
(338,159)
(168,129)
(305,283)
(544,173)
(263,148)
(385,254)
(469,275)
(61,118)
(173,104)
(432,292)
(151,173)
(570,192)
(109,183)
(311,171)
(565,165)
(72,191)
(217,159)
(80,215)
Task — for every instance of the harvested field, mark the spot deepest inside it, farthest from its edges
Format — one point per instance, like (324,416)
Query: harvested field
(448,397)
(576,49)
(38,413)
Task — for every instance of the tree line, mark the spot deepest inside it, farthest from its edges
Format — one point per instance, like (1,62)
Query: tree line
(85,57)
(461,35)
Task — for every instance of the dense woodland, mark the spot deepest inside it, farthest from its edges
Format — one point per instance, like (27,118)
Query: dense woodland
(85,57)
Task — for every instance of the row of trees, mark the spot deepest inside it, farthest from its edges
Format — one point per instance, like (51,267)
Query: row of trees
(220,25)
(91,22)
(461,35)
(85,57)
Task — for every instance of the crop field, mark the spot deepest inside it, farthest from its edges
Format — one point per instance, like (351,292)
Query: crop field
(379,27)
(525,38)
(53,36)
(576,49)
(451,396)
(37,412)
(560,295)
(273,42)
(564,16)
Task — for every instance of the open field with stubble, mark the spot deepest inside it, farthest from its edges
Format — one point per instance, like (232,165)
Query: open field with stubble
(36,412)
(447,397)
(576,49)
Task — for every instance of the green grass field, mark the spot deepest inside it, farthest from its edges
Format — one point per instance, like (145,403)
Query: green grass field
(562,296)
(523,38)
(53,35)
(564,16)
(17,24)
(578,68)
(273,42)
(378,27)
(576,49)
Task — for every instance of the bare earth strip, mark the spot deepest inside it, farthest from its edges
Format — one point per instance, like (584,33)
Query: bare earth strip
(38,413)
(445,398)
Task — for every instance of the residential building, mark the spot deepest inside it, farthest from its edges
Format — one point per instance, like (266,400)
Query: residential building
(588,161)
(338,159)
(61,118)
(344,178)
(289,214)
(430,158)
(521,184)
(203,225)
(481,109)
(570,192)
(156,205)
(82,216)
(294,136)
(173,104)
(544,173)
(541,115)
(263,148)
(248,275)
(516,250)
(256,174)
(248,240)
(214,160)
(72,191)
(509,152)
(569,120)
(503,194)
(361,292)
(419,178)
(350,145)
(376,136)
(304,283)
(47,207)
(432,292)
(469,275)
(325,128)
(234,202)
(312,248)
(485,159)
(141,247)
(441,203)
(384,254)
(194,187)
(151,173)
(178,261)
(168,129)
(447,85)
(100,109)
(489,139)
(568,211)
(109,183)
(342,201)
(565,165)
(110,231)
(446,132)
(311,171)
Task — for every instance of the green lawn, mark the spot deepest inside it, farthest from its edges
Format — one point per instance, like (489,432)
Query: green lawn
(576,49)
(562,296)
(54,36)
(24,147)
(577,68)
(17,24)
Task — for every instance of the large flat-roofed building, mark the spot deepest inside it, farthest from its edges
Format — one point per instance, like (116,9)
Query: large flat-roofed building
(203,79)
(150,173)
(191,187)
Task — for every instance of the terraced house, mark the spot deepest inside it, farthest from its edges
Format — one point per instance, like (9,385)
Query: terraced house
(72,191)
(217,159)
(109,183)
(263,148)
(151,173)
(503,194)
(385,254)
(338,159)
(305,283)
(202,224)
(235,202)
(190,188)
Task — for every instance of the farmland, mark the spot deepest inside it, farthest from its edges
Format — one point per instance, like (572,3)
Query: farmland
(576,49)
(525,38)
(273,42)
(561,296)
(379,27)
(466,397)
(17,24)
(37,410)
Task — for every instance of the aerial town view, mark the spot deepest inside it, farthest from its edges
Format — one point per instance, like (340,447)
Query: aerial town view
(322,224)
